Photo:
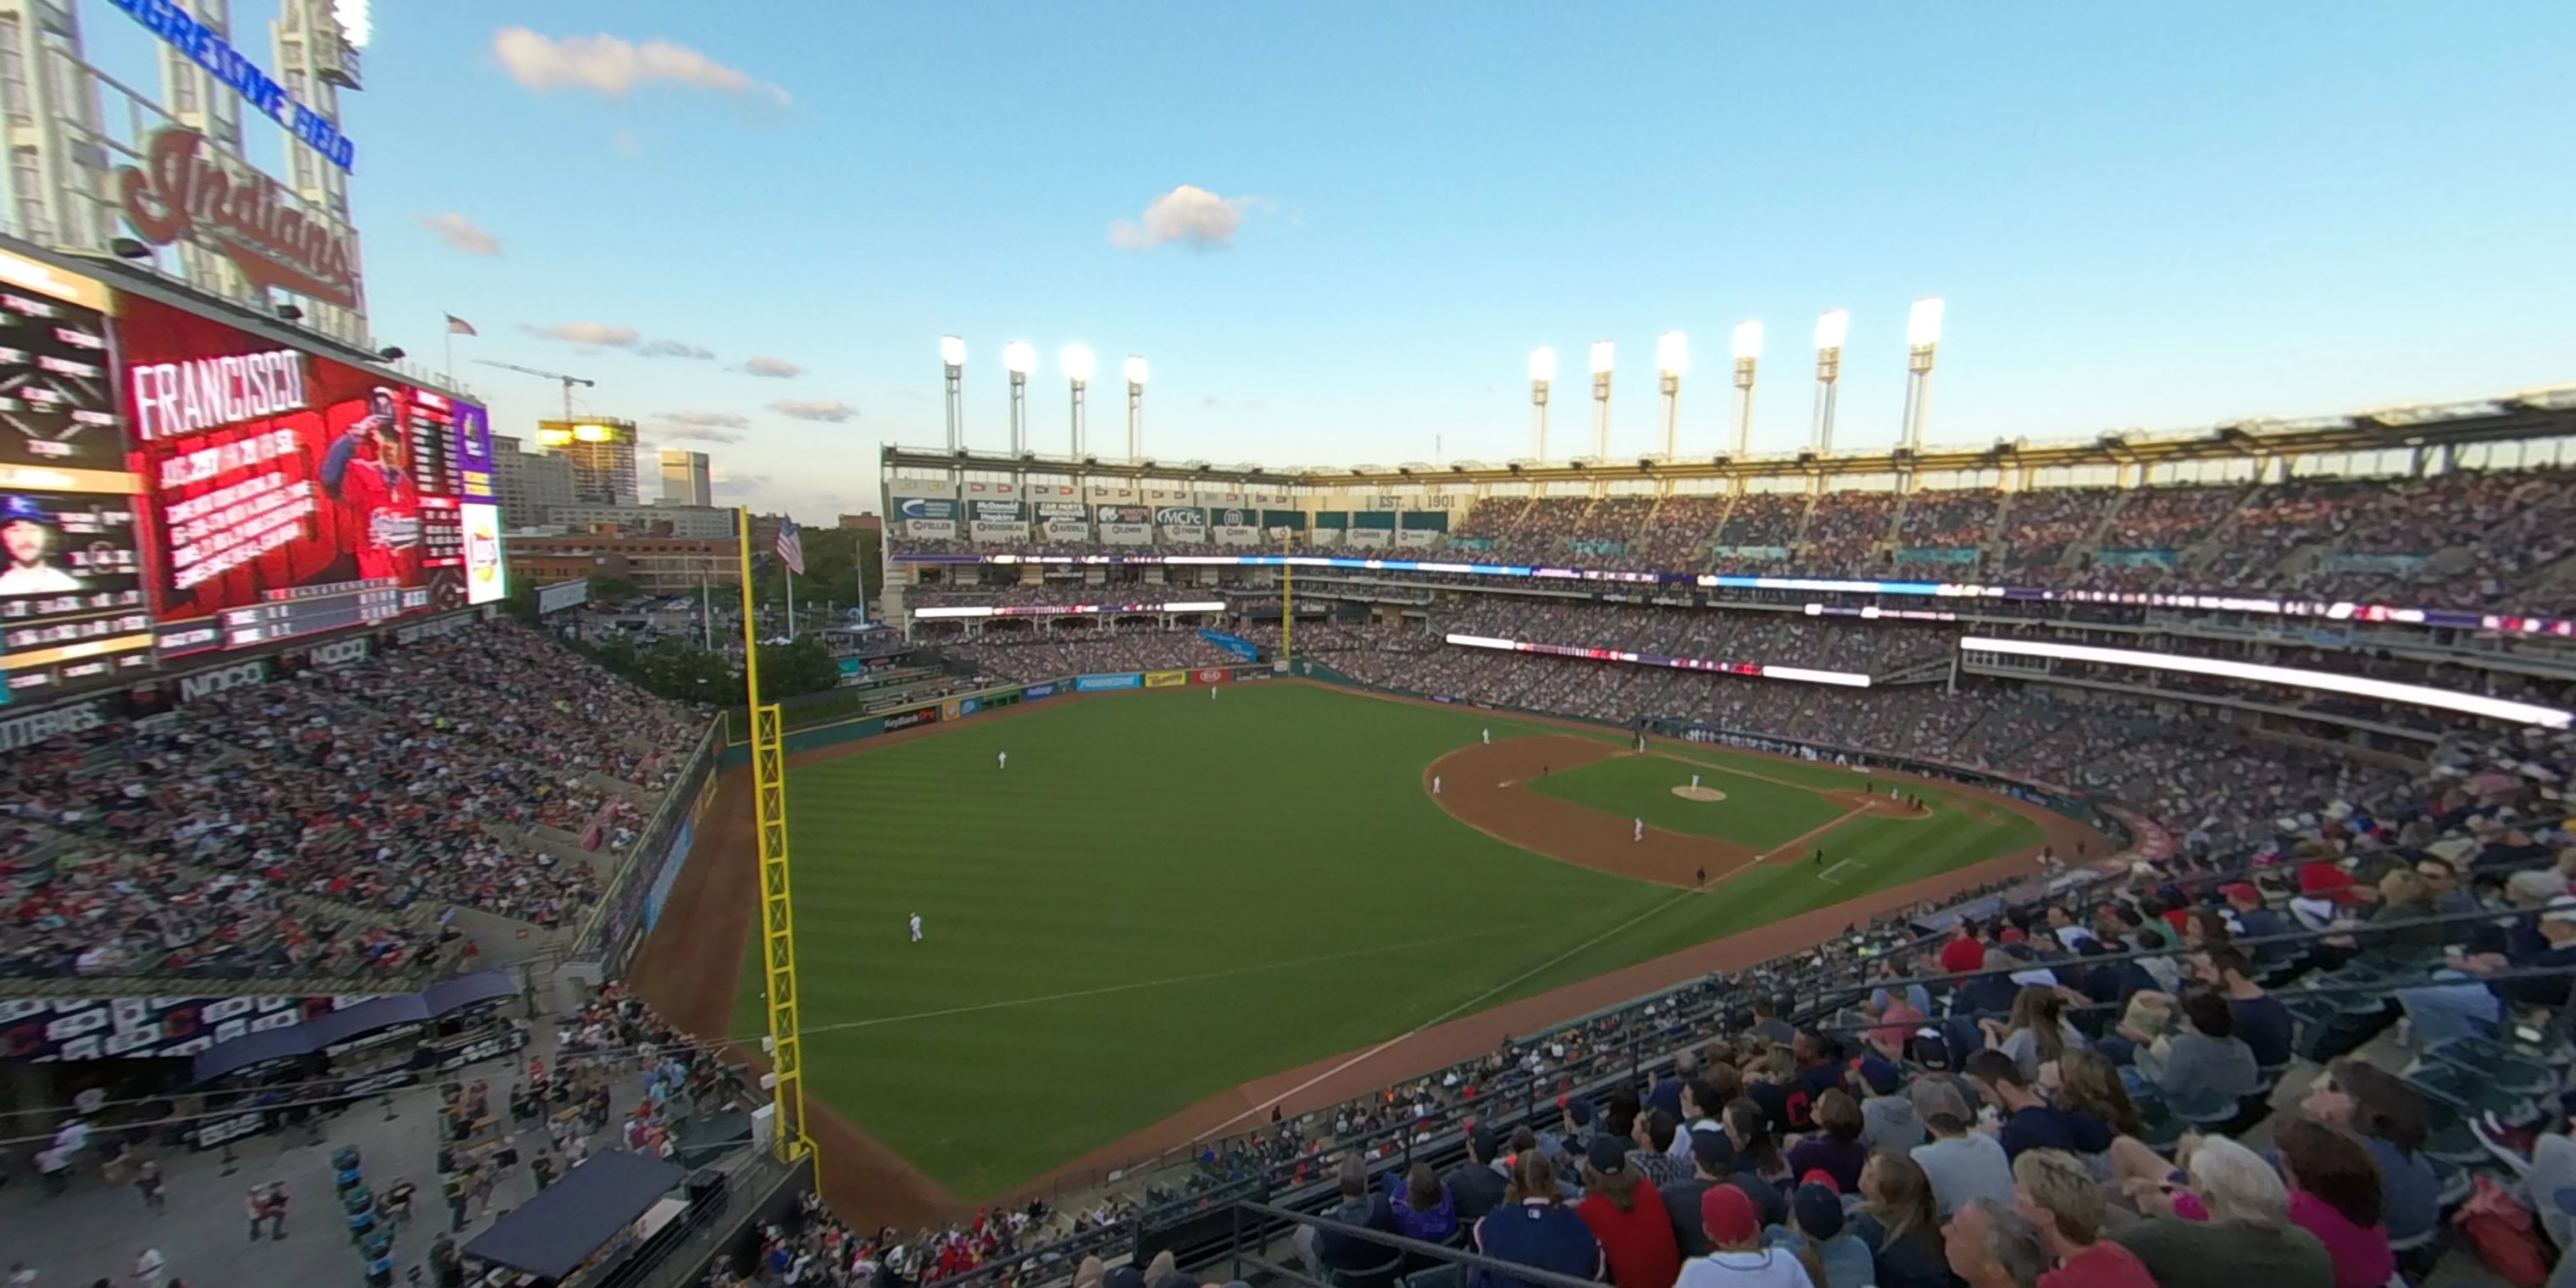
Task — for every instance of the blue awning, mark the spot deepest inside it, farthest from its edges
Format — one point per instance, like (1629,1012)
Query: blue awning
(442,998)
(555,1231)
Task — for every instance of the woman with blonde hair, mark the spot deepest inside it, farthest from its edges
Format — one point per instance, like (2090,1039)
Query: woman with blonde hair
(1901,1223)
(2037,1032)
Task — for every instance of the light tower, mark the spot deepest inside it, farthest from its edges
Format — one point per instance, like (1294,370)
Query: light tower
(1603,358)
(1020,358)
(1831,327)
(1542,369)
(1135,407)
(952,355)
(1672,362)
(1748,354)
(1922,336)
(1077,363)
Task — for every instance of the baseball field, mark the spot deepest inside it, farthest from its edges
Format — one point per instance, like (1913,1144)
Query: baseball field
(1166,898)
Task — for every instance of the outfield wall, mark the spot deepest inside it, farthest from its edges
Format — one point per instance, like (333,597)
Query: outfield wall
(966,706)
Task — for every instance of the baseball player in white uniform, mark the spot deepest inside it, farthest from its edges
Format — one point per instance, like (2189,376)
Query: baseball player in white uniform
(1641,831)
(1001,760)
(916,927)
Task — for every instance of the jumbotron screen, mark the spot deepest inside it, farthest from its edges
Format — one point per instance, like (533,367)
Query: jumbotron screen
(288,494)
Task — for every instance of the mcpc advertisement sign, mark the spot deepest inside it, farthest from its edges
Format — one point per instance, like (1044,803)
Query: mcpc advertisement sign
(273,476)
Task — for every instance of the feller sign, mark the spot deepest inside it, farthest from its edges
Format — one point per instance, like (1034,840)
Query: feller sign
(187,185)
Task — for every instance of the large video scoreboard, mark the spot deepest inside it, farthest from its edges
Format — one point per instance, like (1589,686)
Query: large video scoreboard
(171,484)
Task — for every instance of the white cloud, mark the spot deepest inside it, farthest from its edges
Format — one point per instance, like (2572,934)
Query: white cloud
(599,333)
(702,420)
(611,66)
(830,410)
(1191,216)
(773,368)
(460,232)
(676,349)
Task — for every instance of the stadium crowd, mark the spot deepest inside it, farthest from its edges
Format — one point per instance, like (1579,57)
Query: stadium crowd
(2465,539)
(310,822)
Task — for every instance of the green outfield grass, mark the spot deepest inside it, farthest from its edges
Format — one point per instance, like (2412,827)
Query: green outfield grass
(1164,897)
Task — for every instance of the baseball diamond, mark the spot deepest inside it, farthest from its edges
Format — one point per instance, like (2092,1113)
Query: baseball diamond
(1158,872)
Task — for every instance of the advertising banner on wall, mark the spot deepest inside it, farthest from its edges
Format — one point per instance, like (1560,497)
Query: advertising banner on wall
(1125,513)
(1060,510)
(288,494)
(1238,536)
(1066,530)
(981,510)
(1095,683)
(74,613)
(1187,534)
(562,595)
(1166,679)
(1416,538)
(1367,538)
(986,531)
(1232,516)
(925,507)
(1185,516)
(1126,534)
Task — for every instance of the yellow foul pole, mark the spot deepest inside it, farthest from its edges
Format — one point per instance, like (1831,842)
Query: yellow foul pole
(777,910)
(1287,600)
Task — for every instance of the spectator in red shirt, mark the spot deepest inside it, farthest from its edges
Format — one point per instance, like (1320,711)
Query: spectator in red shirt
(2055,1190)
(1625,1213)
(1965,954)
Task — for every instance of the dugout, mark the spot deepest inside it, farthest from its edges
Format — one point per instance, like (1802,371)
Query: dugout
(615,1208)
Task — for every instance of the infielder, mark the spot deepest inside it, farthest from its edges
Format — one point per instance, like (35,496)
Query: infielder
(1489,737)
(1435,784)
(1641,831)
(1001,760)
(1211,693)
(1694,782)
(916,927)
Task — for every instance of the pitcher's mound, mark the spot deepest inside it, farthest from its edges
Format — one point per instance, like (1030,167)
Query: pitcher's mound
(1699,793)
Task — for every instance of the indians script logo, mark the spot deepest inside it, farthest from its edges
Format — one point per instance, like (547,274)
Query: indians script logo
(185,186)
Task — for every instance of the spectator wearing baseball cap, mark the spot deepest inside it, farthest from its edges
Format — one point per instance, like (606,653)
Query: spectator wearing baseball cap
(1534,1228)
(1962,1162)
(1712,1160)
(1627,1216)
(1888,1120)
(1833,1258)
(1476,1186)
(1737,1256)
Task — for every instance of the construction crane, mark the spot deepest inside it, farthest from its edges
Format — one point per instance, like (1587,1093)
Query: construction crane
(568,381)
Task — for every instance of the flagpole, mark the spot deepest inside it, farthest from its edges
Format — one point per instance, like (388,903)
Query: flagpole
(790,574)
(706,611)
(451,354)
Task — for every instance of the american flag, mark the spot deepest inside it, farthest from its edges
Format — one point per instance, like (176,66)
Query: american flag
(791,547)
(459,326)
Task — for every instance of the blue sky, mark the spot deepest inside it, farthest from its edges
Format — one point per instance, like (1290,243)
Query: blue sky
(2154,216)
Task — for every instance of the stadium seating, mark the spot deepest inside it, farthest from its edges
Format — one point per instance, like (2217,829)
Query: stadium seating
(314,824)
(2468,539)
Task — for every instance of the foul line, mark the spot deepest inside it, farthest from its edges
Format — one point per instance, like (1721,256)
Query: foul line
(1443,1017)
(1827,876)
(1812,833)
(1159,983)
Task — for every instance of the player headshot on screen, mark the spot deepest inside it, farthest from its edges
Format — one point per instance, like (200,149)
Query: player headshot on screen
(363,472)
(27,536)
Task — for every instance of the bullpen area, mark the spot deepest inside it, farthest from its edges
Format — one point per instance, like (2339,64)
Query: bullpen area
(1168,911)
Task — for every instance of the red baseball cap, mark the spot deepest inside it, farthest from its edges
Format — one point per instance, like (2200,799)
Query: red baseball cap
(2240,890)
(1727,1214)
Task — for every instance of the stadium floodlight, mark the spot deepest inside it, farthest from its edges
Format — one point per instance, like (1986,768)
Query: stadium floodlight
(1748,355)
(1603,358)
(1748,339)
(1672,362)
(952,363)
(1922,337)
(1078,364)
(1019,357)
(1135,407)
(1542,369)
(1831,326)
